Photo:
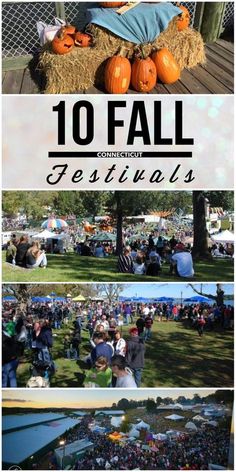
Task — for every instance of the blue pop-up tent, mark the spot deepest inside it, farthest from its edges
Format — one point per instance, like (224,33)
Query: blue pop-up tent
(164,299)
(40,299)
(9,298)
(197,299)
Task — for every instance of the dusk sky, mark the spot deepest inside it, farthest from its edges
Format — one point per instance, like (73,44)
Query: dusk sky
(87,398)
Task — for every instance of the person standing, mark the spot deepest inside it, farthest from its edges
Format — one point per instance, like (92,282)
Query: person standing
(135,355)
(148,326)
(10,360)
(124,377)
(101,348)
(200,325)
(140,323)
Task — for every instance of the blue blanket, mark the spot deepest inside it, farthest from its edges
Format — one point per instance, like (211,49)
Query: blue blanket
(139,25)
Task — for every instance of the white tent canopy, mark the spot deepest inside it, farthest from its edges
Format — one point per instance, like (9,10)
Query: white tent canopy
(223,237)
(191,425)
(198,418)
(45,234)
(142,425)
(174,417)
(212,423)
(134,433)
(160,436)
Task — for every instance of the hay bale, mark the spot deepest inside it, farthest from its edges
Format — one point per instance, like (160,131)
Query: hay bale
(84,67)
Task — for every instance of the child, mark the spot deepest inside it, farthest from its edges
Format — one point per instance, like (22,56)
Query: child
(100,375)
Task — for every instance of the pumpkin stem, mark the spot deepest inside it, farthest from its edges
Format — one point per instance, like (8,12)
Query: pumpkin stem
(123,51)
(142,51)
(61,32)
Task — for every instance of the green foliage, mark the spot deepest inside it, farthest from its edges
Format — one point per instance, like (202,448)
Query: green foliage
(123,404)
(151,405)
(125,426)
(221,199)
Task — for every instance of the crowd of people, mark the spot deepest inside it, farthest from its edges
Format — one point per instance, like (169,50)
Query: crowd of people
(26,254)
(147,258)
(112,359)
(192,451)
(143,254)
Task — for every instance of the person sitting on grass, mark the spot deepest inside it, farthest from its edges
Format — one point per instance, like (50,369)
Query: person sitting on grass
(154,267)
(21,250)
(124,377)
(11,253)
(125,262)
(139,266)
(35,257)
(181,262)
(100,375)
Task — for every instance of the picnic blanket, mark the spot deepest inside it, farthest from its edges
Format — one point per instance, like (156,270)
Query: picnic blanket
(142,24)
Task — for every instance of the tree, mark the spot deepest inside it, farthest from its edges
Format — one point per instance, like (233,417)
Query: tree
(221,199)
(34,204)
(181,399)
(224,396)
(125,426)
(124,204)
(158,401)
(167,401)
(200,243)
(111,291)
(151,405)
(218,298)
(123,404)
(197,398)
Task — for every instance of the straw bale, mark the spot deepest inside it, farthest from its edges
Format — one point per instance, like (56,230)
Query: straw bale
(84,67)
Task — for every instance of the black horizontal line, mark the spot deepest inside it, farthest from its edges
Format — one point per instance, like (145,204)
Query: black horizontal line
(161,154)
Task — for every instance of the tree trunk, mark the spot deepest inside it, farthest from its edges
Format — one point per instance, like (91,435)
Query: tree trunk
(218,298)
(200,244)
(119,224)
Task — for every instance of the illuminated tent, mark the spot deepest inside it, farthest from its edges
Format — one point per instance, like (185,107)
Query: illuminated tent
(115,436)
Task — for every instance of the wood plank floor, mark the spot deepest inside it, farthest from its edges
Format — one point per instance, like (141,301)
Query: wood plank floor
(215,77)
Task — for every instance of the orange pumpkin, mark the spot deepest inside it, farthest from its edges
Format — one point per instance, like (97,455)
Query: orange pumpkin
(168,70)
(143,75)
(117,75)
(83,40)
(183,20)
(62,43)
(69,29)
(112,4)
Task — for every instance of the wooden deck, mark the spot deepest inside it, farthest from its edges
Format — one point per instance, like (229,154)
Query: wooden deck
(215,77)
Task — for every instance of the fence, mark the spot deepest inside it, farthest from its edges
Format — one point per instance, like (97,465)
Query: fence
(19,33)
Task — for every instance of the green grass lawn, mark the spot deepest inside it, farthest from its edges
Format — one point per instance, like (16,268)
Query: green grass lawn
(175,357)
(73,268)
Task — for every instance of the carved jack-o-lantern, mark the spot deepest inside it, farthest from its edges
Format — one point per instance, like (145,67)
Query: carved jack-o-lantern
(83,40)
(62,43)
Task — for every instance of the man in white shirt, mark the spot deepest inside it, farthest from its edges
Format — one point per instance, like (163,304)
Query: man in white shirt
(182,263)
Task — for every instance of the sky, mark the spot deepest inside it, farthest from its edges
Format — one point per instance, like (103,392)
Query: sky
(171,290)
(87,398)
